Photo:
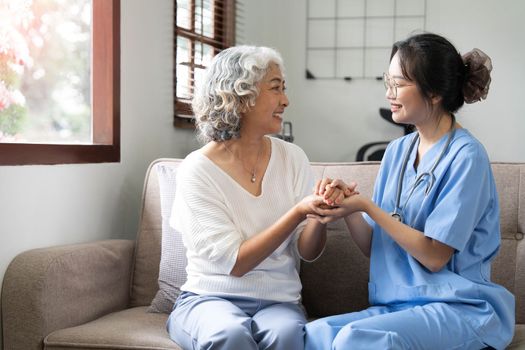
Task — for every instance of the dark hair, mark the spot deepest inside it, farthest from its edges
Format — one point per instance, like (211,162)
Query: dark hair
(436,67)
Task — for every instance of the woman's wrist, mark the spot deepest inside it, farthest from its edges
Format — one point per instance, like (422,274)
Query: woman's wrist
(299,212)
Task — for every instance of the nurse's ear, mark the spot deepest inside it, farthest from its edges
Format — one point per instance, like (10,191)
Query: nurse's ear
(435,100)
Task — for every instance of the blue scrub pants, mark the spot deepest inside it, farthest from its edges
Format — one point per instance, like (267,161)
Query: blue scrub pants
(429,326)
(209,322)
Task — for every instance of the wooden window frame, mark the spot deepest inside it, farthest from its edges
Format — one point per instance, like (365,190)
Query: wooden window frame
(225,20)
(105,89)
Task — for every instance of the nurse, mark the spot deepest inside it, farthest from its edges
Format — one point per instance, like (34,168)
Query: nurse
(432,227)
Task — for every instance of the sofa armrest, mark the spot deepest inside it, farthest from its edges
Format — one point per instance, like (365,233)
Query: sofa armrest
(58,287)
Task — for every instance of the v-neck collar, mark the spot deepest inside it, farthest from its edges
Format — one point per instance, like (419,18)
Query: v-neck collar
(430,156)
(231,179)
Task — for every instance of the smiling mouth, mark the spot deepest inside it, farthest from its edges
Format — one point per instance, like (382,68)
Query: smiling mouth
(395,107)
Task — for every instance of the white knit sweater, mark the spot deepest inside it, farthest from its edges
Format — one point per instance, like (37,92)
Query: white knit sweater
(215,215)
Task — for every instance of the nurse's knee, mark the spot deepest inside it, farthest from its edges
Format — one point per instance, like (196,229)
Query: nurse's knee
(316,326)
(319,334)
(357,337)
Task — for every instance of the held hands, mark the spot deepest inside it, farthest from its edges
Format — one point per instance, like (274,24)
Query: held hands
(334,191)
(327,194)
(336,201)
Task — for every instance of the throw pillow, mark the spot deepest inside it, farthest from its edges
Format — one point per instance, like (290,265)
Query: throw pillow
(172,270)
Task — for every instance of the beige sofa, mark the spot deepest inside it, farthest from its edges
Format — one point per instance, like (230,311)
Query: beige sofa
(95,295)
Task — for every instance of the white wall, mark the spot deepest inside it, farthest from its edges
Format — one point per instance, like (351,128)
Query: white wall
(42,206)
(332,119)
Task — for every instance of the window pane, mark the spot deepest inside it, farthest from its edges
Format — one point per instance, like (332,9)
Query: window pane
(203,56)
(183,68)
(45,71)
(204,17)
(184,14)
(211,29)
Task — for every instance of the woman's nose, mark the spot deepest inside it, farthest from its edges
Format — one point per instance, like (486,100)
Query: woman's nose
(284,100)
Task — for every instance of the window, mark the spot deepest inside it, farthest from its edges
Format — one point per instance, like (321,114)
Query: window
(202,29)
(59,100)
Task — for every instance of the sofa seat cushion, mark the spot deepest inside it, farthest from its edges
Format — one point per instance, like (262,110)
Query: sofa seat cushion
(518,342)
(133,328)
(138,329)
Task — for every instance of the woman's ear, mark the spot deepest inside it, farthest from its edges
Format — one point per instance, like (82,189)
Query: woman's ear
(244,107)
(242,111)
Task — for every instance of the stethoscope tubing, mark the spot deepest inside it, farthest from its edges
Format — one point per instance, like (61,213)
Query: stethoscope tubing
(397,209)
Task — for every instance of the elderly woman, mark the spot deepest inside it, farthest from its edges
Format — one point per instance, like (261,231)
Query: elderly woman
(241,207)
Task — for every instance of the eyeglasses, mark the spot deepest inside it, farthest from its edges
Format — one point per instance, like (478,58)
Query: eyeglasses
(391,84)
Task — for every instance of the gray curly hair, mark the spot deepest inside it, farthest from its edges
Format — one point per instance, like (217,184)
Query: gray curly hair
(229,88)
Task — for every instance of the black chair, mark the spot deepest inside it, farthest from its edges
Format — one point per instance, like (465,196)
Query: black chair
(376,150)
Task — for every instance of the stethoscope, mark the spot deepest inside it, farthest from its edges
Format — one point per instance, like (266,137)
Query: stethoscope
(396,214)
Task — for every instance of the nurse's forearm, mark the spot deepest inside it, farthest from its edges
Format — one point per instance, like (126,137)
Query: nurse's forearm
(429,252)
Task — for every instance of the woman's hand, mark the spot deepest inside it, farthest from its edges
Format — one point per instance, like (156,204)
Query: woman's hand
(311,204)
(315,207)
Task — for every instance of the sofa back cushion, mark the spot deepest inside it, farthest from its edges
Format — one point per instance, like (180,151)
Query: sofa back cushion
(337,281)
(340,275)
(144,285)
(173,261)
(508,268)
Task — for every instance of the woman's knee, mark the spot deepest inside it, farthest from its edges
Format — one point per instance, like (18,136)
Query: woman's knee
(232,336)
(286,336)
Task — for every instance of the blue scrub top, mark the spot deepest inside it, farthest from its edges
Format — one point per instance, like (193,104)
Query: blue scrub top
(462,211)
